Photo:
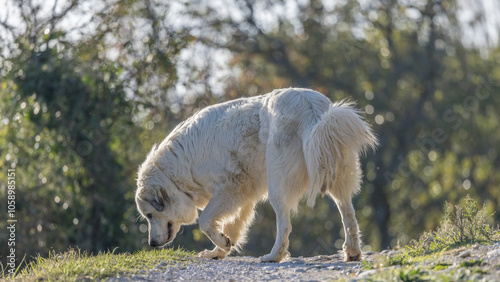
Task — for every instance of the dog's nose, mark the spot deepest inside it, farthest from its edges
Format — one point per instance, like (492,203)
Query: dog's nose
(153,243)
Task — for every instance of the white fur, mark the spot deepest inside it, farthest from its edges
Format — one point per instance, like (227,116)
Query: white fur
(229,156)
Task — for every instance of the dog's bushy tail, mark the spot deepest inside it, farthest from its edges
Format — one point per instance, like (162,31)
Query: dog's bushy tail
(335,141)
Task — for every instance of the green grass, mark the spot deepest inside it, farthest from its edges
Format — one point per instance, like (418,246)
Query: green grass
(75,265)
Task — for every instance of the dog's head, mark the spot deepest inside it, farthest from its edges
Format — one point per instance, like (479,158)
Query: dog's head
(163,204)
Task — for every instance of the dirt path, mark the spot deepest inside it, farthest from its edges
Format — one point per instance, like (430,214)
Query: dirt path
(249,268)
(477,262)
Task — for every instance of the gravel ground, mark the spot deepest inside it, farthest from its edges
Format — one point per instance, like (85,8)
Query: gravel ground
(250,269)
(477,263)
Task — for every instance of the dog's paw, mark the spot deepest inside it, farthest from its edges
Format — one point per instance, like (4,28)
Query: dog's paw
(269,258)
(352,257)
(216,253)
(275,258)
(227,243)
(352,251)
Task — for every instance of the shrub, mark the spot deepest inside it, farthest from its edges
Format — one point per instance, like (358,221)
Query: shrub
(460,225)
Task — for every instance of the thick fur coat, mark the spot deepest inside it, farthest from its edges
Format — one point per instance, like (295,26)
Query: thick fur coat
(227,157)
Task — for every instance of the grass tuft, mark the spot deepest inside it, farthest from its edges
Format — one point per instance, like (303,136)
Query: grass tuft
(412,275)
(471,263)
(76,265)
(441,266)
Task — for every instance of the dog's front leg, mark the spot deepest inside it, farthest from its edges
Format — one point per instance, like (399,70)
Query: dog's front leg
(221,206)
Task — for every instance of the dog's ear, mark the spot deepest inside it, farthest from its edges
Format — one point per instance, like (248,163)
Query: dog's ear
(157,203)
(164,196)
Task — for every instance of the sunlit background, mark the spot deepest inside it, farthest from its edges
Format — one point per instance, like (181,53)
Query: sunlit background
(87,87)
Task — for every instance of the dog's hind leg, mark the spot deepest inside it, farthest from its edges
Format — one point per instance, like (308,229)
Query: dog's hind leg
(284,196)
(284,227)
(351,245)
(286,180)
(346,184)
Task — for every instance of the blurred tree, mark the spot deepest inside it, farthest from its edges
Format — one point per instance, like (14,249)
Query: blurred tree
(71,97)
(405,64)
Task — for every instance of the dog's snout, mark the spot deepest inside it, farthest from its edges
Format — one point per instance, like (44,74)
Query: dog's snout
(153,243)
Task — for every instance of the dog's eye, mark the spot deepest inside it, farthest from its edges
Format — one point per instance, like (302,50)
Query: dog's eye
(150,216)
(169,225)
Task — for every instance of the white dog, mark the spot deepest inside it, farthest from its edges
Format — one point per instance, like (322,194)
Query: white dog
(227,157)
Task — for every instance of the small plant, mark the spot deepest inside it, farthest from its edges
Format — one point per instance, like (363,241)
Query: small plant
(471,263)
(468,224)
(399,259)
(368,265)
(411,275)
(460,225)
(382,261)
(441,266)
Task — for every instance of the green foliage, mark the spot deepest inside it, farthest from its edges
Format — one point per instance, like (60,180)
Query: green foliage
(67,112)
(65,116)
